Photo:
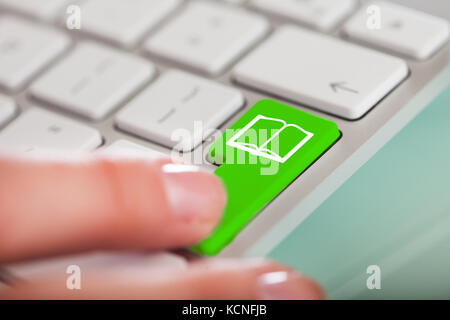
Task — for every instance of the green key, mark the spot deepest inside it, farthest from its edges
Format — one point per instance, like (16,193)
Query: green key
(259,156)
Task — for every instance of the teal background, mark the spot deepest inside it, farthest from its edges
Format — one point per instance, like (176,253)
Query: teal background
(393,212)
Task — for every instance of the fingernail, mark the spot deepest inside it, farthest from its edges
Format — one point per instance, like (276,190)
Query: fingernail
(287,285)
(193,193)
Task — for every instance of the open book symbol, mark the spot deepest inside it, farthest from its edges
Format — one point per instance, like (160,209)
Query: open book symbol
(279,143)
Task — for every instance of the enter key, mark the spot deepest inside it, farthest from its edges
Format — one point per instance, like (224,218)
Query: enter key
(259,156)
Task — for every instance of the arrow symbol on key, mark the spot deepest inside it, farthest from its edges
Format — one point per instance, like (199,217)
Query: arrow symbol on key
(336,86)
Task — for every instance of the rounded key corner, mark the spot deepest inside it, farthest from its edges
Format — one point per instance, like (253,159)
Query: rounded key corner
(213,159)
(206,249)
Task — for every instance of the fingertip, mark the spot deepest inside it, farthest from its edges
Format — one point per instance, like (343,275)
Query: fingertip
(253,278)
(280,282)
(288,285)
(194,195)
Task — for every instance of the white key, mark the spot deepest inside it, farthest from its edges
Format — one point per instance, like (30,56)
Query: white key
(182,107)
(128,148)
(321,71)
(236,2)
(320,14)
(208,36)
(37,130)
(403,30)
(7,109)
(93,80)
(25,48)
(43,9)
(124,22)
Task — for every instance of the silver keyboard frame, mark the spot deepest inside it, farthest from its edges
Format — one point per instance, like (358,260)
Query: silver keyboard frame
(355,133)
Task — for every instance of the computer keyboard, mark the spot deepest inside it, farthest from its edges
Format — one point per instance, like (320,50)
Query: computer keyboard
(138,70)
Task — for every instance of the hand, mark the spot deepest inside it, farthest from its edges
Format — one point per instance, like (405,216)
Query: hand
(50,208)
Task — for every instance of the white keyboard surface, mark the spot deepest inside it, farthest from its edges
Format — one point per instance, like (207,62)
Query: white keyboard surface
(93,80)
(183,102)
(208,36)
(7,109)
(405,31)
(319,14)
(43,9)
(37,130)
(25,49)
(140,72)
(124,22)
(327,74)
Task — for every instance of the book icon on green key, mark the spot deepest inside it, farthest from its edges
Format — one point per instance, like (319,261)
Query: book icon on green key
(283,131)
(259,156)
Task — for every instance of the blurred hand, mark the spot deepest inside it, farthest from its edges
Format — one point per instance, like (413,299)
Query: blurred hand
(50,208)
